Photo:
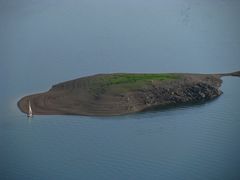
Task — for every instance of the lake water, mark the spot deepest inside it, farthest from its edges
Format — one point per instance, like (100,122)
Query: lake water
(49,41)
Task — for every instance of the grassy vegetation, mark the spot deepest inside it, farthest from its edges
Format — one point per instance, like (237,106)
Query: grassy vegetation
(132,78)
(125,82)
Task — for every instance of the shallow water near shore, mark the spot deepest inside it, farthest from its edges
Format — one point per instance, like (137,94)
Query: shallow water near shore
(47,42)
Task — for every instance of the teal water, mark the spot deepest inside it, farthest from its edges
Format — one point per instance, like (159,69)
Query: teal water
(46,42)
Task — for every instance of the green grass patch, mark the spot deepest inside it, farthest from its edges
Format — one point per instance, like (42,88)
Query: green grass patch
(132,78)
(125,82)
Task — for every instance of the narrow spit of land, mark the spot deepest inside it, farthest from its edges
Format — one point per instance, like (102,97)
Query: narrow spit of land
(123,93)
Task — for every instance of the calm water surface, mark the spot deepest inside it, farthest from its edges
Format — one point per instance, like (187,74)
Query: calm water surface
(49,41)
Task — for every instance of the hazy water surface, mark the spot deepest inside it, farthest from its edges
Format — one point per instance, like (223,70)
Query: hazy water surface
(49,41)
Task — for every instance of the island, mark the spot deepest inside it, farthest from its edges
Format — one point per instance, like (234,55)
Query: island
(123,93)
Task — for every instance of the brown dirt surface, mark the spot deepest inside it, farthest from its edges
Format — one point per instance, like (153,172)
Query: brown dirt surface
(117,94)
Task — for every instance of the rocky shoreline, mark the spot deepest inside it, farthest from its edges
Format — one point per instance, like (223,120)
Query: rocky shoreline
(92,96)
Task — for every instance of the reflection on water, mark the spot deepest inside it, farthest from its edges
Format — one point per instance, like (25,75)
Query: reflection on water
(46,42)
(29,120)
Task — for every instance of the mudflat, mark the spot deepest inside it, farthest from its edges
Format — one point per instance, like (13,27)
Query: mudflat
(123,93)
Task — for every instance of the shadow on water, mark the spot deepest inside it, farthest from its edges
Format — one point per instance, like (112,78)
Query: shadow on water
(173,107)
(157,110)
